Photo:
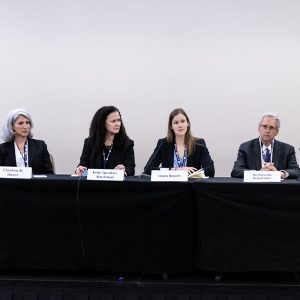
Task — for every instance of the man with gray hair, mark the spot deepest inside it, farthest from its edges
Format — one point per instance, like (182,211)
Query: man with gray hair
(265,153)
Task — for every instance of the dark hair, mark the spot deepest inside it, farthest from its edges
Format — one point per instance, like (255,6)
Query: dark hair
(189,140)
(98,129)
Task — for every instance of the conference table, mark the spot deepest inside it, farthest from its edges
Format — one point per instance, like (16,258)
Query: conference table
(218,224)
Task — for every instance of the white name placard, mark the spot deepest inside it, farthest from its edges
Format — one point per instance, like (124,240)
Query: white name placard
(169,175)
(15,172)
(105,174)
(262,176)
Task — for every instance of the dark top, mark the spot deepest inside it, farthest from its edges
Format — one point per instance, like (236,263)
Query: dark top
(38,159)
(163,155)
(120,155)
(249,158)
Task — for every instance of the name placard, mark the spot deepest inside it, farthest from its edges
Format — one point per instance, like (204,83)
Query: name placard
(105,174)
(262,176)
(169,175)
(16,172)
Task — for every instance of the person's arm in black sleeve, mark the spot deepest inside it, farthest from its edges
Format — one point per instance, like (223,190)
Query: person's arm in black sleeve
(292,167)
(154,160)
(129,159)
(46,161)
(85,157)
(240,165)
(206,161)
(86,154)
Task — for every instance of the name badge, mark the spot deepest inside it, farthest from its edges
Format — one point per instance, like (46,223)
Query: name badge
(262,176)
(169,175)
(105,174)
(16,172)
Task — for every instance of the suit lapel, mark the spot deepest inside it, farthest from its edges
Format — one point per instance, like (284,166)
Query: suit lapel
(257,152)
(170,155)
(276,153)
(31,152)
(11,154)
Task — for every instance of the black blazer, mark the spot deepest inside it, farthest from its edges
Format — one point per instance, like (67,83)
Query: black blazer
(38,159)
(249,158)
(120,154)
(163,155)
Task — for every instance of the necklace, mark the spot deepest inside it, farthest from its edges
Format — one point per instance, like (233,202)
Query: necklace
(25,154)
(106,157)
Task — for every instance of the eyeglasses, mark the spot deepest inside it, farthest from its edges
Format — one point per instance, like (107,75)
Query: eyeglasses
(266,127)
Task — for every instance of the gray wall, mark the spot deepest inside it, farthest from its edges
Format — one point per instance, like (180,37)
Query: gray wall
(224,62)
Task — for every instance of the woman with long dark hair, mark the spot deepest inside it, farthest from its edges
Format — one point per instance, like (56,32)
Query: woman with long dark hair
(180,150)
(108,146)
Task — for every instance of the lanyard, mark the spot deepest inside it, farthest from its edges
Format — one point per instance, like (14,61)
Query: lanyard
(106,157)
(25,154)
(180,162)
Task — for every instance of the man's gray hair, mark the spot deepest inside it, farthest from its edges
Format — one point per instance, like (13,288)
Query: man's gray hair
(7,129)
(273,116)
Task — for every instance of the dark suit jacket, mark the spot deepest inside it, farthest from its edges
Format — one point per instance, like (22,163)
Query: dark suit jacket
(163,155)
(249,158)
(38,159)
(120,154)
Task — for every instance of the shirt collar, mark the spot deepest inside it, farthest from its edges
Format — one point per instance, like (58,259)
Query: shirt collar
(263,147)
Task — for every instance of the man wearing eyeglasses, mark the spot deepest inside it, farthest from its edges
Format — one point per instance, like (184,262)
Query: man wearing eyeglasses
(265,153)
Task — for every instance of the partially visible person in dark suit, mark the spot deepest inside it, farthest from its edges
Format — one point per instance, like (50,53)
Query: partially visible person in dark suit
(19,149)
(180,150)
(108,146)
(265,153)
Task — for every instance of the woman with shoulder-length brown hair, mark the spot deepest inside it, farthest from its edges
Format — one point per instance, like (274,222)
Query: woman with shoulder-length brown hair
(180,150)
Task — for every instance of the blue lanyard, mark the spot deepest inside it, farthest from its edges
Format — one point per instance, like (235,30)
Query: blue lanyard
(106,157)
(25,154)
(180,162)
